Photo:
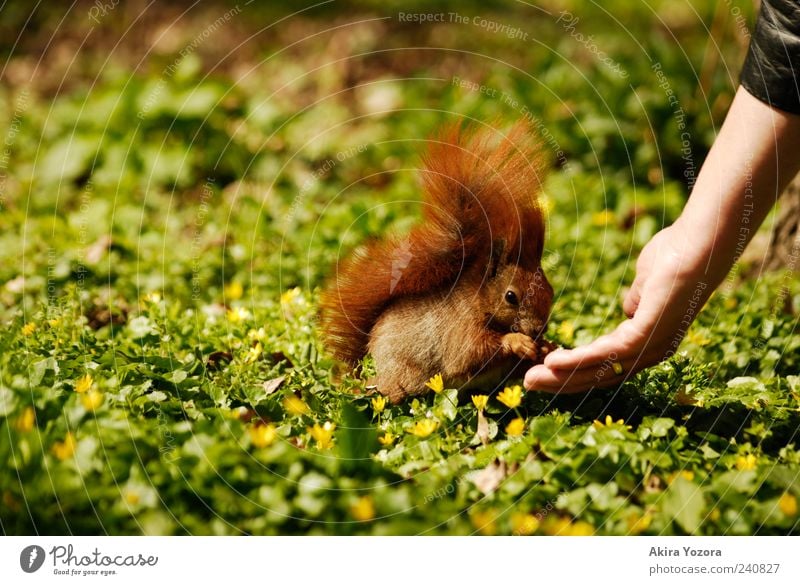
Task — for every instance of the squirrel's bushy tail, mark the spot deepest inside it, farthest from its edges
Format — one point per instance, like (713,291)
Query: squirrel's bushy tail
(479,200)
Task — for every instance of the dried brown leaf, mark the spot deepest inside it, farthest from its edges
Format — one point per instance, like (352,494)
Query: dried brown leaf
(95,252)
(490,477)
(271,385)
(483,428)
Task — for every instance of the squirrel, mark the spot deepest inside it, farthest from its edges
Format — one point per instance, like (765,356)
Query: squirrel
(462,294)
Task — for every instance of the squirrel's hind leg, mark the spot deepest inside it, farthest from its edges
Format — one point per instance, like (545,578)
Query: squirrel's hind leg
(397,376)
(399,381)
(403,344)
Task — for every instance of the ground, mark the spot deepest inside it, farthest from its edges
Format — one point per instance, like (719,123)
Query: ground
(177,187)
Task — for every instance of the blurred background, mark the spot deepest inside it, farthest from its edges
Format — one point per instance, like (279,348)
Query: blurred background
(151,105)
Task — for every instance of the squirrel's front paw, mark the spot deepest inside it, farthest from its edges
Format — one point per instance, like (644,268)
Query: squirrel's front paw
(520,345)
(544,346)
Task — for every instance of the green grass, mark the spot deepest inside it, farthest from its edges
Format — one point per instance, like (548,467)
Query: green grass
(167,235)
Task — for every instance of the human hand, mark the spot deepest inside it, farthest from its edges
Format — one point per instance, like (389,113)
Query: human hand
(670,288)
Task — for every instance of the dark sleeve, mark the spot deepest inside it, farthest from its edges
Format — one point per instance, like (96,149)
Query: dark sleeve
(772,67)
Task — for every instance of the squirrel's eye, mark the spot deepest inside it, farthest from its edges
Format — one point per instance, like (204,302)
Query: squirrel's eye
(511,297)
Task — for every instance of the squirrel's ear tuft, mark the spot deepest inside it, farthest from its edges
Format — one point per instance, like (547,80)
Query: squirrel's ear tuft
(497,257)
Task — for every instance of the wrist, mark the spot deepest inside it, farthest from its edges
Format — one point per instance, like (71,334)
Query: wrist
(709,250)
(694,244)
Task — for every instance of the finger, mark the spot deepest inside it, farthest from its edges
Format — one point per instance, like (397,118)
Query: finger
(586,356)
(608,372)
(564,382)
(543,379)
(626,341)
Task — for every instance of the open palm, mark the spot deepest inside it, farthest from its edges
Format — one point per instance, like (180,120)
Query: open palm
(670,288)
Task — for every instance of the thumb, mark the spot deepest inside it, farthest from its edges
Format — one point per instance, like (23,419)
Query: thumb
(631,301)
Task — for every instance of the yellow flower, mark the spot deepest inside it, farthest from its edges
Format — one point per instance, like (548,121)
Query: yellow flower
(697,338)
(28,329)
(483,521)
(511,396)
(715,514)
(560,526)
(363,509)
(54,322)
(480,401)
(565,527)
(64,449)
(323,435)
(685,474)
(524,524)
(744,462)
(378,404)
(257,334)
(788,504)
(436,384)
(84,384)
(602,218)
(290,296)
(152,297)
(92,399)
(580,528)
(609,423)
(131,497)
(387,439)
(253,353)
(424,427)
(730,303)
(566,332)
(26,420)
(295,406)
(238,314)
(638,524)
(233,291)
(238,413)
(516,427)
(262,435)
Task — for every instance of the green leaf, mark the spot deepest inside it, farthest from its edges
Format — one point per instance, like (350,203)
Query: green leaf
(661,426)
(197,102)
(685,504)
(447,402)
(40,369)
(67,159)
(8,401)
(157,396)
(140,327)
(177,376)
(357,439)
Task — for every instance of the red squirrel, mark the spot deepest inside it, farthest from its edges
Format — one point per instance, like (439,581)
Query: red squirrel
(463,294)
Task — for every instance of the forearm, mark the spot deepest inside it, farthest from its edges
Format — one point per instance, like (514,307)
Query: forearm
(755,155)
